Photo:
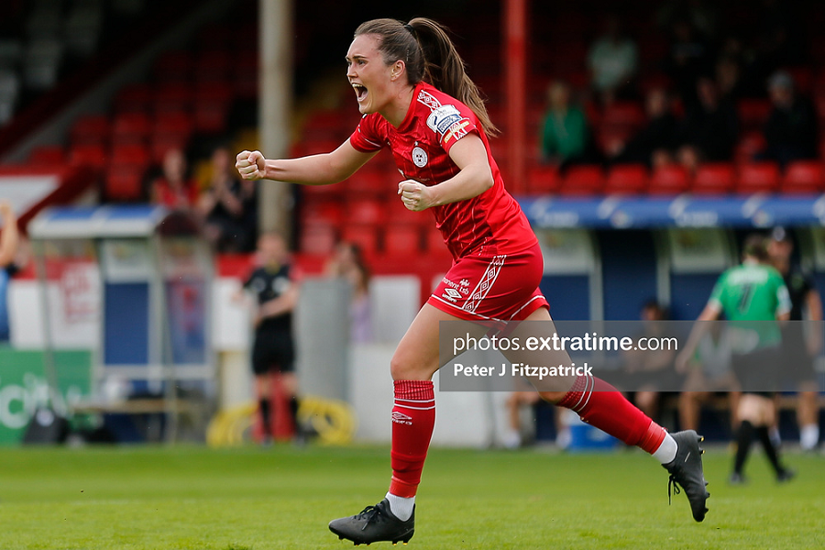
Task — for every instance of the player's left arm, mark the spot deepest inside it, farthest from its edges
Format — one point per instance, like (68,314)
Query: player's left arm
(474,178)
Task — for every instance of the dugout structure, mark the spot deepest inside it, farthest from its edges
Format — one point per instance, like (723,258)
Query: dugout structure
(136,282)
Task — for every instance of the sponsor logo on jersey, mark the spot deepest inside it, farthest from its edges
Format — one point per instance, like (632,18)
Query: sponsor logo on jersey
(442,118)
(451,294)
(427,99)
(458,130)
(401,418)
(419,157)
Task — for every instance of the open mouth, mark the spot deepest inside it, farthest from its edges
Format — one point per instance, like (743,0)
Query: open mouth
(360,92)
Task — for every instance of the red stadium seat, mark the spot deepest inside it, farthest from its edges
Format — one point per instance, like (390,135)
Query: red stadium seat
(173,66)
(90,129)
(131,128)
(623,114)
(434,241)
(47,155)
(626,179)
(123,184)
(402,239)
(129,156)
(245,77)
(173,97)
(317,238)
(212,66)
(364,235)
(543,180)
(713,179)
(327,125)
(669,180)
(582,180)
(133,98)
(179,123)
(372,182)
(753,113)
(322,211)
(758,177)
(363,210)
(803,177)
(93,155)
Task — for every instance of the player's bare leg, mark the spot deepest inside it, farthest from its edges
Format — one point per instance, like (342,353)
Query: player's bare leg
(603,406)
(413,417)
(807,416)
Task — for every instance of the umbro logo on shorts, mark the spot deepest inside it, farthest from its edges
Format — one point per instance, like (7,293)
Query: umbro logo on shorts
(451,294)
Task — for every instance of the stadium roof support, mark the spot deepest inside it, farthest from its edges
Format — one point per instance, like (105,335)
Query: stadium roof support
(515,54)
(276,31)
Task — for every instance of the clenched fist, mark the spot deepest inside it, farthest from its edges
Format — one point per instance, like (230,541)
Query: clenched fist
(251,165)
(414,195)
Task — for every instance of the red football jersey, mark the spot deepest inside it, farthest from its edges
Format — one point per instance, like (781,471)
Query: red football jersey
(487,225)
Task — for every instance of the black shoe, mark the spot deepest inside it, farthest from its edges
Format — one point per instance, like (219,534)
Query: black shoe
(785,475)
(686,471)
(373,524)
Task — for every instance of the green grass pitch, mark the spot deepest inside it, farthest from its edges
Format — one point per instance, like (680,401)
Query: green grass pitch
(181,498)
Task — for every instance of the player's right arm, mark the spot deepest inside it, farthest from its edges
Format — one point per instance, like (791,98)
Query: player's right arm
(320,169)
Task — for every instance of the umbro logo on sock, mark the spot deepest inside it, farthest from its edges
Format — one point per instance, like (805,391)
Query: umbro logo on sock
(401,418)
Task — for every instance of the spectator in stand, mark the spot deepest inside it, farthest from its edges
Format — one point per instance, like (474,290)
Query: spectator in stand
(348,263)
(729,79)
(613,61)
(9,242)
(173,188)
(229,206)
(709,131)
(791,129)
(654,143)
(565,135)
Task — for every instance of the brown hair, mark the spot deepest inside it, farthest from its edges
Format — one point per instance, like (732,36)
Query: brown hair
(429,55)
(755,245)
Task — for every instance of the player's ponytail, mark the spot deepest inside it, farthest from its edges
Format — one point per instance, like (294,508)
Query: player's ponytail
(429,55)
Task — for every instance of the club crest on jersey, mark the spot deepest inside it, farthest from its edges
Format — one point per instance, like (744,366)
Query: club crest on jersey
(442,118)
(419,157)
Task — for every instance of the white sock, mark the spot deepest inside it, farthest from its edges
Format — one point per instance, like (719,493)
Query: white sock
(401,507)
(667,450)
(773,434)
(809,436)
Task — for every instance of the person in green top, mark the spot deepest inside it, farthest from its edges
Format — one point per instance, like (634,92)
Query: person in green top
(754,299)
(565,134)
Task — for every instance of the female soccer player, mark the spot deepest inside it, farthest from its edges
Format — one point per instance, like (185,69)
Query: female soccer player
(416,99)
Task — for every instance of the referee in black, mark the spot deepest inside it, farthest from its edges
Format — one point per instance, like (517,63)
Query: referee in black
(801,346)
(276,290)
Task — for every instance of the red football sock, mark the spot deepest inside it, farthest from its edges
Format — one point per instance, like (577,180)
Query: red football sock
(413,419)
(603,406)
